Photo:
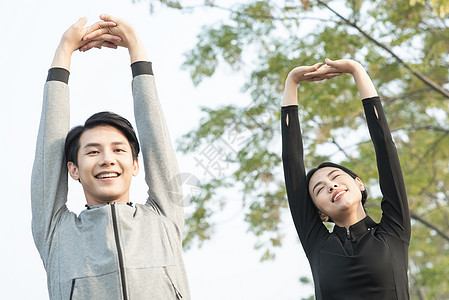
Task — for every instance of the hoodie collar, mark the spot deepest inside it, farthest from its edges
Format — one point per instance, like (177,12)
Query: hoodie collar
(356,231)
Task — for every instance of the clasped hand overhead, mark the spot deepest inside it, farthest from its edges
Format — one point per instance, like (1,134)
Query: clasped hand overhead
(331,69)
(320,71)
(110,32)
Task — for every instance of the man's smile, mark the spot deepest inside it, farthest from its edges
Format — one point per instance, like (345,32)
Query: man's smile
(104,175)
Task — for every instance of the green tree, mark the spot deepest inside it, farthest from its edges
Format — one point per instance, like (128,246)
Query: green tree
(403,43)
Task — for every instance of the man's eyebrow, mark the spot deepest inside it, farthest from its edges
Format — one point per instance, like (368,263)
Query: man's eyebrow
(320,182)
(91,145)
(117,143)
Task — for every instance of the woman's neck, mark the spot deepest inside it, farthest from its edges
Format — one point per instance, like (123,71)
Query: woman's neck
(351,218)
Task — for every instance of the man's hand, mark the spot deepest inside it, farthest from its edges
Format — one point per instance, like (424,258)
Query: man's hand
(123,29)
(72,39)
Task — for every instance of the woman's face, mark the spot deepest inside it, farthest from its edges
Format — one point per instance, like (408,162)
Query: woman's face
(335,193)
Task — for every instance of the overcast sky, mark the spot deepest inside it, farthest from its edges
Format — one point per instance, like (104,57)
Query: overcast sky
(227,267)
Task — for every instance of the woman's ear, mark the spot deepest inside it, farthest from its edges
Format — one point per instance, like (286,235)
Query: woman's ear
(360,184)
(323,217)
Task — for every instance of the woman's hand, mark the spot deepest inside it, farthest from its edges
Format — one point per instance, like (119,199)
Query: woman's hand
(338,67)
(361,77)
(316,72)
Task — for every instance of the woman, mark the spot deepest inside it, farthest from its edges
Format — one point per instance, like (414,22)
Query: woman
(360,259)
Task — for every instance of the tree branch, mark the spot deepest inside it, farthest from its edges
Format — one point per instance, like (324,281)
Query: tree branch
(266,17)
(438,88)
(430,225)
(431,128)
(410,94)
(334,141)
(437,203)
(426,80)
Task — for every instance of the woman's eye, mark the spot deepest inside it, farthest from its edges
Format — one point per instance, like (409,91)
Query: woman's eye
(319,190)
(92,152)
(335,176)
(119,150)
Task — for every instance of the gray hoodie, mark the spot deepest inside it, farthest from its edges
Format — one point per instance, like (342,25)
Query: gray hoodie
(109,251)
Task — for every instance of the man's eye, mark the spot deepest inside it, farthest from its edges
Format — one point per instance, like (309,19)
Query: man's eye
(119,150)
(92,152)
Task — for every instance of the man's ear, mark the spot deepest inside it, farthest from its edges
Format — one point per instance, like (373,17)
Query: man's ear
(136,167)
(360,184)
(73,170)
(323,217)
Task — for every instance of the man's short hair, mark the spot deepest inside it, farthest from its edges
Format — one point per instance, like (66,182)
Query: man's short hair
(105,118)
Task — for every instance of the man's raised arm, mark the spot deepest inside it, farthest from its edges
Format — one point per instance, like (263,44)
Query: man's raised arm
(161,168)
(49,176)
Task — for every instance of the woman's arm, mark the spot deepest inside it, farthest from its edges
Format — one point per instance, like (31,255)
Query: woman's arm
(395,211)
(305,216)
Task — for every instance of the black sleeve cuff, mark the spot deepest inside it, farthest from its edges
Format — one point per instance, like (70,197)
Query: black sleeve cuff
(371,100)
(58,74)
(292,107)
(142,67)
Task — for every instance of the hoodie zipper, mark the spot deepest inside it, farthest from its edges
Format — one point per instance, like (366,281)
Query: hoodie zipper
(72,289)
(178,294)
(119,252)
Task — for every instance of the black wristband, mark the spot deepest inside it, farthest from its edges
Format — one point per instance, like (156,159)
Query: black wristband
(142,67)
(58,74)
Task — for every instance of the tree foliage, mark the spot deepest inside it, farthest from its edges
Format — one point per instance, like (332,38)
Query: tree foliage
(404,44)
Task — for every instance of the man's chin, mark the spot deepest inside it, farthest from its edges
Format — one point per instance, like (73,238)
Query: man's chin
(106,200)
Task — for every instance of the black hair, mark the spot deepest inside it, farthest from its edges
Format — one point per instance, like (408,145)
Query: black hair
(344,169)
(72,142)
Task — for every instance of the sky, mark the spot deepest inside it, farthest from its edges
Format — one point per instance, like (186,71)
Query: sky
(227,266)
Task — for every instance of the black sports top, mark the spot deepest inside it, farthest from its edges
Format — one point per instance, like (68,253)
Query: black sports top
(370,260)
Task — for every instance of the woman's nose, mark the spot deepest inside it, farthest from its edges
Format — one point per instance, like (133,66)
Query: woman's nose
(332,187)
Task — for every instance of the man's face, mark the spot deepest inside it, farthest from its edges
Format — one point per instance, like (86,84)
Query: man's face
(334,192)
(105,165)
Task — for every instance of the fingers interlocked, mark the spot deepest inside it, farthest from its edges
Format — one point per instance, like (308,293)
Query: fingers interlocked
(98,35)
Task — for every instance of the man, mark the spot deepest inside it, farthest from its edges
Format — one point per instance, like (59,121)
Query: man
(113,249)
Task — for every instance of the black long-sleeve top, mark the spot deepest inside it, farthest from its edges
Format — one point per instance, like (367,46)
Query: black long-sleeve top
(370,260)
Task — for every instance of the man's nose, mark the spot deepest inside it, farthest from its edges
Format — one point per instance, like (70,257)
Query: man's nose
(107,159)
